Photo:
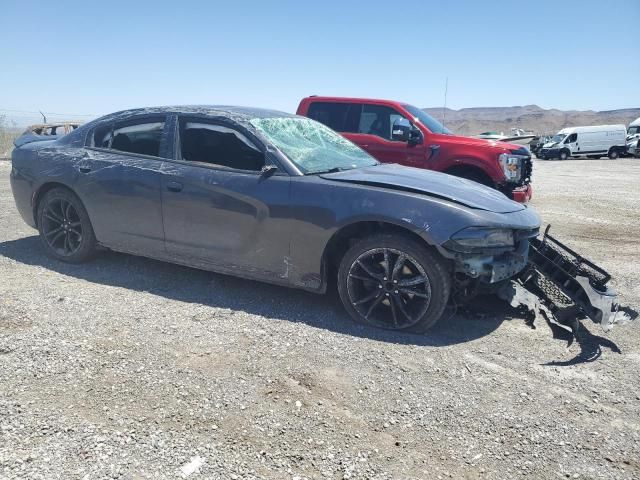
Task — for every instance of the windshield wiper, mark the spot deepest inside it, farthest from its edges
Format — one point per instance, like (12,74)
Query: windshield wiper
(330,170)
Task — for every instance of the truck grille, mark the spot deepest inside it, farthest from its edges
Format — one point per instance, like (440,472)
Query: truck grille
(527,170)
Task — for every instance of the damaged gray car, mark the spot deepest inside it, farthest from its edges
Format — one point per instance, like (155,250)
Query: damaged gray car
(272,197)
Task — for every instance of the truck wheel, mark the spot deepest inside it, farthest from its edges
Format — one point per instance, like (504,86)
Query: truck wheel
(393,282)
(564,154)
(613,153)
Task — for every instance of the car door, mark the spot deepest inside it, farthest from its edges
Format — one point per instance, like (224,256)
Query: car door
(119,182)
(220,210)
(374,134)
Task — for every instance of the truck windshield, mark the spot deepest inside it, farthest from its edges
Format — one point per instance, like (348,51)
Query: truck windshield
(557,138)
(427,120)
(634,130)
(313,147)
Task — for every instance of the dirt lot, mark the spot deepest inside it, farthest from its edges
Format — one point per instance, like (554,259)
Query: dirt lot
(131,368)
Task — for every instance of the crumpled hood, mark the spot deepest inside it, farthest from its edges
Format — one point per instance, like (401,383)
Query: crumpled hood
(428,182)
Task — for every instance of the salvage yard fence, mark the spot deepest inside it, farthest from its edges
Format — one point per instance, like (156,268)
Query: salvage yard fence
(8,134)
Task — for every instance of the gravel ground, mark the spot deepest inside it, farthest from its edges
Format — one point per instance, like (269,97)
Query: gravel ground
(130,368)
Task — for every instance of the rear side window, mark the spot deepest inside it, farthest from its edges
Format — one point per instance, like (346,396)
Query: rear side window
(341,117)
(218,145)
(143,138)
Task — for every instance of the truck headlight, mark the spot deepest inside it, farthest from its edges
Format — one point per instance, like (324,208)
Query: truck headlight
(477,237)
(511,166)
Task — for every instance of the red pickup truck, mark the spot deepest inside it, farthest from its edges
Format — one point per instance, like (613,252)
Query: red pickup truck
(394,132)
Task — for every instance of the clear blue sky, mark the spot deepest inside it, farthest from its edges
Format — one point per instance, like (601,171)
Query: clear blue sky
(97,57)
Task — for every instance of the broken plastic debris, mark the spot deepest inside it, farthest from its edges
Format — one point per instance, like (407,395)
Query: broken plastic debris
(192,466)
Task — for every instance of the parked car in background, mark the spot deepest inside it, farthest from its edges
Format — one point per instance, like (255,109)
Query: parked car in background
(536,144)
(273,197)
(633,137)
(46,131)
(395,132)
(592,142)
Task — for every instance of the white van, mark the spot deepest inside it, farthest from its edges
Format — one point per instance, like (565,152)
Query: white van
(593,142)
(633,135)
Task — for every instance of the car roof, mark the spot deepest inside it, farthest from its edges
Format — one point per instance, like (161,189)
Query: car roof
(236,113)
(380,101)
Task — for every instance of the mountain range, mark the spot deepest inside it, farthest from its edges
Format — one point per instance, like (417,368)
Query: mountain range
(472,121)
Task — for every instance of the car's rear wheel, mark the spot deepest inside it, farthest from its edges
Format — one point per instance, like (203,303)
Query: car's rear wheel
(391,281)
(64,226)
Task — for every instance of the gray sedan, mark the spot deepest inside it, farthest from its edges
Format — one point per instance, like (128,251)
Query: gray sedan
(273,197)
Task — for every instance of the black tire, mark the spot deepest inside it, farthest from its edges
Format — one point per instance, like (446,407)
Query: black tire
(564,154)
(613,153)
(65,229)
(414,294)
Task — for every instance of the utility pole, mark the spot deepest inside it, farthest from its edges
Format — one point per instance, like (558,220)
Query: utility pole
(444,110)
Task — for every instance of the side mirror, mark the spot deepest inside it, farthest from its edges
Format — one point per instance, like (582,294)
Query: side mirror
(415,136)
(268,170)
(400,132)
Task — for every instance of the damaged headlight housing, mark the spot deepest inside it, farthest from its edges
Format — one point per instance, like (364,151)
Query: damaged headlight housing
(474,238)
(511,166)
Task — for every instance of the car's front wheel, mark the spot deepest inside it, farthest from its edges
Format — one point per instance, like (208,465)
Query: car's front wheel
(392,281)
(64,226)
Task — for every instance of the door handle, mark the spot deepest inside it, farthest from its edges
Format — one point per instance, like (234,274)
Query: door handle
(84,169)
(174,186)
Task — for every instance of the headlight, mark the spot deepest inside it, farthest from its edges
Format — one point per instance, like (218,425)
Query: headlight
(511,166)
(474,237)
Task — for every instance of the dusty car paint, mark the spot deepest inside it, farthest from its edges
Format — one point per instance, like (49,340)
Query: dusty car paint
(274,228)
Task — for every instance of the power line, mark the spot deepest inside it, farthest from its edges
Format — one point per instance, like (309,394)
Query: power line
(50,113)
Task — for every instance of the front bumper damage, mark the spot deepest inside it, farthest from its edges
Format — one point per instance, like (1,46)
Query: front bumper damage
(493,268)
(567,286)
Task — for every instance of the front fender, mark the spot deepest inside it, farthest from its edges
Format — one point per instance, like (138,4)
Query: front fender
(321,208)
(491,169)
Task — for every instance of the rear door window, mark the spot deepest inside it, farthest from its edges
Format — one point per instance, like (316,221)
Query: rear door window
(142,137)
(341,117)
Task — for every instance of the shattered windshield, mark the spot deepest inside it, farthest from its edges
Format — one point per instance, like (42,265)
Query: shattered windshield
(313,147)
(558,137)
(427,120)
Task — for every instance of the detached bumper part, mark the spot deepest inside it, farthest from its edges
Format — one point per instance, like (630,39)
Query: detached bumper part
(567,282)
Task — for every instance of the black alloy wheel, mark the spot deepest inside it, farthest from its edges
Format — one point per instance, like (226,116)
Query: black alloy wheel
(393,282)
(65,229)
